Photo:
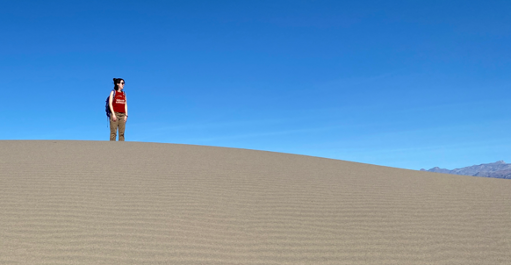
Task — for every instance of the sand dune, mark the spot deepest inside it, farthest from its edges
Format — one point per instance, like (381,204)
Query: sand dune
(81,202)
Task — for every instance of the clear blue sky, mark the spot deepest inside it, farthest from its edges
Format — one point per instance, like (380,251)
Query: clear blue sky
(409,84)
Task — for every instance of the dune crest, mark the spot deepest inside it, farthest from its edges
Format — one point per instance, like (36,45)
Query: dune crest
(84,202)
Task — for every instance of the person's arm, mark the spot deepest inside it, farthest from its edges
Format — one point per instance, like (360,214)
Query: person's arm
(125,107)
(111,106)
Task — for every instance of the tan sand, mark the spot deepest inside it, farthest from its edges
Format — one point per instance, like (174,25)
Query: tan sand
(81,202)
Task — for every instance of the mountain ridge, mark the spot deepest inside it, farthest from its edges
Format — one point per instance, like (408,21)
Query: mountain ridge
(499,169)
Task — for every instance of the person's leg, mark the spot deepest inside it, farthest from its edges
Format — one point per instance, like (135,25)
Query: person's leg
(122,126)
(113,128)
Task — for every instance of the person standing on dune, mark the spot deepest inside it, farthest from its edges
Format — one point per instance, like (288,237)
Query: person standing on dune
(119,109)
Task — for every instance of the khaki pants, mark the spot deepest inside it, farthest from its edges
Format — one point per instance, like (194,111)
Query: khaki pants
(118,124)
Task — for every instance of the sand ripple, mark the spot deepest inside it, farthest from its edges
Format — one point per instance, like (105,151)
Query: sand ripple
(80,202)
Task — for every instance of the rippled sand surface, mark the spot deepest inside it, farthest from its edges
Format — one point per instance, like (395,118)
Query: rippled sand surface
(84,202)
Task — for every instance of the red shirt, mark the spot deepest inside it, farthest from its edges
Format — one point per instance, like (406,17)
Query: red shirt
(119,102)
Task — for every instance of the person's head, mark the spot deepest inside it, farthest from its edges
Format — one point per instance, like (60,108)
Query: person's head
(119,83)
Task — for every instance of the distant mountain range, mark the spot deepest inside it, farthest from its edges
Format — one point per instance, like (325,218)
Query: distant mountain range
(498,169)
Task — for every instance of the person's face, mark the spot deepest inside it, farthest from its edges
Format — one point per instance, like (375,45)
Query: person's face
(120,84)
